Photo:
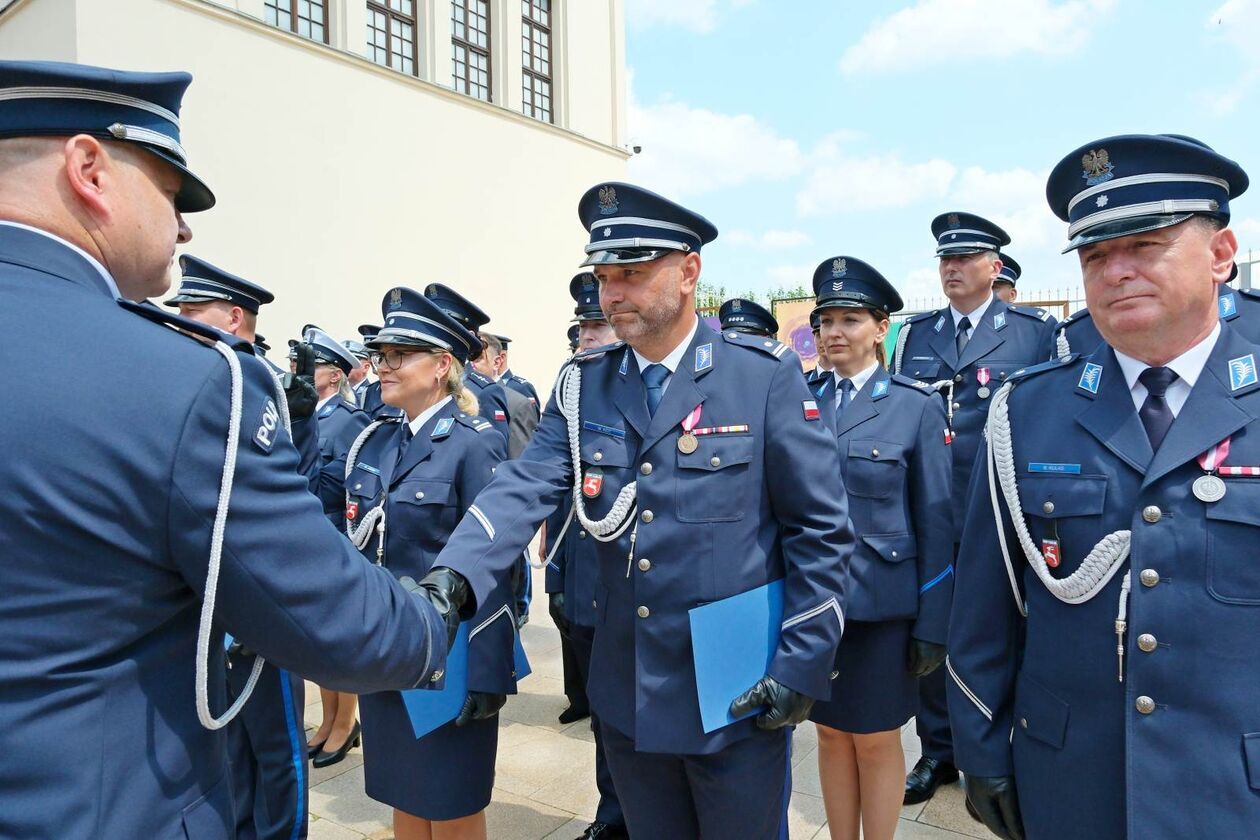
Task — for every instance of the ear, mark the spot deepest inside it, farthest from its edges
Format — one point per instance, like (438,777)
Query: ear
(690,267)
(996,268)
(89,171)
(236,318)
(1224,247)
(444,366)
(881,329)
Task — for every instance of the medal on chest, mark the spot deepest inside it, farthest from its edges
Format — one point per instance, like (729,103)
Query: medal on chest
(687,442)
(983,376)
(1209,487)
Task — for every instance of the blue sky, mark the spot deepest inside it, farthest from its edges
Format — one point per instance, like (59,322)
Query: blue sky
(810,128)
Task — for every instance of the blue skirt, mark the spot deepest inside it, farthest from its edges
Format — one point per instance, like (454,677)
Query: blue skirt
(873,691)
(447,774)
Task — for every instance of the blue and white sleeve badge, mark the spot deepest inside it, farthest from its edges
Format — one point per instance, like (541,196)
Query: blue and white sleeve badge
(265,436)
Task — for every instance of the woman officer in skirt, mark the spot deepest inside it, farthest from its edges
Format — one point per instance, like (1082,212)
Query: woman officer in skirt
(895,468)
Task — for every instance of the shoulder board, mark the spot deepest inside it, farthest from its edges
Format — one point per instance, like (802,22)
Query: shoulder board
(769,346)
(922,316)
(475,375)
(477,424)
(193,329)
(907,382)
(1033,370)
(596,352)
(1078,315)
(1251,293)
(1030,311)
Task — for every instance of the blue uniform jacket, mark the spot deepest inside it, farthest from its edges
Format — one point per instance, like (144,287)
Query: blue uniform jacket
(492,404)
(1239,307)
(895,467)
(375,408)
(574,569)
(112,484)
(522,386)
(305,434)
(748,506)
(339,424)
(425,493)
(1007,338)
(1174,750)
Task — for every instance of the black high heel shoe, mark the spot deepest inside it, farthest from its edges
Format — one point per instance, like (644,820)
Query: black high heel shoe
(327,759)
(313,750)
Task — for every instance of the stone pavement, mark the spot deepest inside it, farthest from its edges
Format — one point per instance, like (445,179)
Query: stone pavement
(545,776)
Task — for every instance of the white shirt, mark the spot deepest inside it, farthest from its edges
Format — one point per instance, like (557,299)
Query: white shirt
(1187,366)
(419,422)
(973,317)
(109,280)
(859,381)
(672,361)
(324,401)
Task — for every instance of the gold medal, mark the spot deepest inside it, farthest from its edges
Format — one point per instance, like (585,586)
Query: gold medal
(688,443)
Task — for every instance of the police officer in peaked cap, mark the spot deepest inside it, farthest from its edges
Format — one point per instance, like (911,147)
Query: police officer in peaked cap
(1008,276)
(693,498)
(142,524)
(489,393)
(747,316)
(371,402)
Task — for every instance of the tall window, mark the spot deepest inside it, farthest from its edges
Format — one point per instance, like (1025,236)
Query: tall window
(391,34)
(470,47)
(536,59)
(308,18)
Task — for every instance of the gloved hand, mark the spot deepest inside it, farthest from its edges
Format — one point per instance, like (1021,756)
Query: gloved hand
(787,707)
(479,705)
(447,591)
(924,657)
(299,387)
(555,606)
(997,803)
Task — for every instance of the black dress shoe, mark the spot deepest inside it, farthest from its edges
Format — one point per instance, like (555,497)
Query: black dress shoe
(313,750)
(604,831)
(971,809)
(327,759)
(928,774)
(572,714)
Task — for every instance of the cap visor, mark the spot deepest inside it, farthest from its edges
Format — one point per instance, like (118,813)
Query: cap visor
(193,196)
(624,256)
(176,300)
(961,252)
(1124,227)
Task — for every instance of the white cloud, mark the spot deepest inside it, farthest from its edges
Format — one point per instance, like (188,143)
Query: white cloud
(950,31)
(791,276)
(694,15)
(839,182)
(1235,23)
(1248,233)
(920,289)
(770,240)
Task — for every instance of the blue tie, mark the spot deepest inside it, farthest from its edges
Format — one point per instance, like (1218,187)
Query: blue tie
(1155,414)
(846,396)
(654,381)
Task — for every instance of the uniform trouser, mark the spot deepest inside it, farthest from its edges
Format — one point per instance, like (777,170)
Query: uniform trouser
(574,675)
(932,721)
(267,753)
(741,791)
(609,810)
(522,584)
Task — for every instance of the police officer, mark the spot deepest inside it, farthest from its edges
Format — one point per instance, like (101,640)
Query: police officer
(513,381)
(340,419)
(573,339)
(359,373)
(1004,285)
(372,402)
(966,350)
(261,347)
(523,409)
(140,525)
(265,742)
(895,467)
(409,481)
(748,317)
(489,393)
(700,463)
(1108,662)
(572,587)
(822,365)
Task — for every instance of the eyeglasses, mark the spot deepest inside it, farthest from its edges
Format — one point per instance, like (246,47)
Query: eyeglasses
(393,359)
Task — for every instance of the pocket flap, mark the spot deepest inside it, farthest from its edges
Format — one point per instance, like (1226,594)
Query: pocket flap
(364,481)
(1240,504)
(876,450)
(926,371)
(424,492)
(1251,752)
(717,452)
(1039,714)
(1057,496)
(892,547)
(604,450)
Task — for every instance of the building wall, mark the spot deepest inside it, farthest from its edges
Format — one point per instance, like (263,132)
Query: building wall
(338,179)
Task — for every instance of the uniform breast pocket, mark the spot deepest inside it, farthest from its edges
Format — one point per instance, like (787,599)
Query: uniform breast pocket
(923,370)
(713,481)
(1233,527)
(874,469)
(364,483)
(1064,508)
(423,510)
(605,471)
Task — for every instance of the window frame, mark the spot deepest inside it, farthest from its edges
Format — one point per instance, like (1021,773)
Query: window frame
(383,7)
(528,74)
(466,86)
(294,17)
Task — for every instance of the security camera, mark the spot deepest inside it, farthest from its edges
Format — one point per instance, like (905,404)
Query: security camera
(636,149)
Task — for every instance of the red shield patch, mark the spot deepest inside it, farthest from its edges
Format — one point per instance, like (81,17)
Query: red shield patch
(352,511)
(1050,550)
(592,484)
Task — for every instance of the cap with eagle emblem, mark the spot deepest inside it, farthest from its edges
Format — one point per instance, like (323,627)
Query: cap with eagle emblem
(743,315)
(628,224)
(415,319)
(862,287)
(1122,185)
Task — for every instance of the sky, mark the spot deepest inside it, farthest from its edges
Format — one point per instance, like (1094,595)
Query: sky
(807,129)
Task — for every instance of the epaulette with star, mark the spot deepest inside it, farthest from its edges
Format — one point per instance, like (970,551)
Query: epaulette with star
(769,346)
(922,316)
(596,352)
(914,384)
(474,422)
(1030,311)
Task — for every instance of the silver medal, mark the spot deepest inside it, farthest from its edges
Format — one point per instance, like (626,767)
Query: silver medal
(983,392)
(1209,488)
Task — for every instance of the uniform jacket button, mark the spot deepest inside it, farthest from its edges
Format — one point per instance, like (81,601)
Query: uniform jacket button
(874,453)
(1048,507)
(646,516)
(645,469)
(1149,577)
(1147,642)
(958,378)
(643,612)
(1145,705)
(644,564)
(1152,514)
(1023,723)
(957,406)
(420,495)
(715,461)
(581,535)
(599,456)
(358,487)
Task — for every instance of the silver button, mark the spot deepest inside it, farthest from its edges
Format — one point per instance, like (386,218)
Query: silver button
(645,469)
(358,487)
(420,495)
(1152,514)
(599,456)
(1147,642)
(594,603)
(1145,705)
(958,378)
(874,453)
(1002,375)
(1048,507)
(769,343)
(957,406)
(581,535)
(1149,577)
(646,516)
(732,335)
(715,461)
(894,554)
(643,612)
(1023,723)
(645,564)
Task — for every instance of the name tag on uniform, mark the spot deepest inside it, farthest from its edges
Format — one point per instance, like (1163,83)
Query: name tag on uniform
(1065,469)
(611,431)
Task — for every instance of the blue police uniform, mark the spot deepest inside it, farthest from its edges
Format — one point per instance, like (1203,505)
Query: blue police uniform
(266,748)
(752,502)
(371,401)
(108,553)
(895,468)
(747,316)
(490,397)
(1107,662)
(523,387)
(339,424)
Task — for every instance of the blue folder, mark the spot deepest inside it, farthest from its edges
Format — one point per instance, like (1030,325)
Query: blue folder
(520,662)
(732,642)
(430,708)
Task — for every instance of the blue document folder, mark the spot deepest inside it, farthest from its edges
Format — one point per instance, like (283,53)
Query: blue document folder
(430,708)
(732,642)
(520,662)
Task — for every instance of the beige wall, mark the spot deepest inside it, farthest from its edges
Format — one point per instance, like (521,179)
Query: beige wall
(338,179)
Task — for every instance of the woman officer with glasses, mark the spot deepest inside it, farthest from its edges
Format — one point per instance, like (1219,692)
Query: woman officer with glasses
(409,482)
(895,468)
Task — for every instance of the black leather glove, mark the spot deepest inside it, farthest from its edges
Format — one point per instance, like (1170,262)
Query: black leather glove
(555,606)
(787,707)
(924,657)
(997,803)
(299,387)
(479,705)
(447,591)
